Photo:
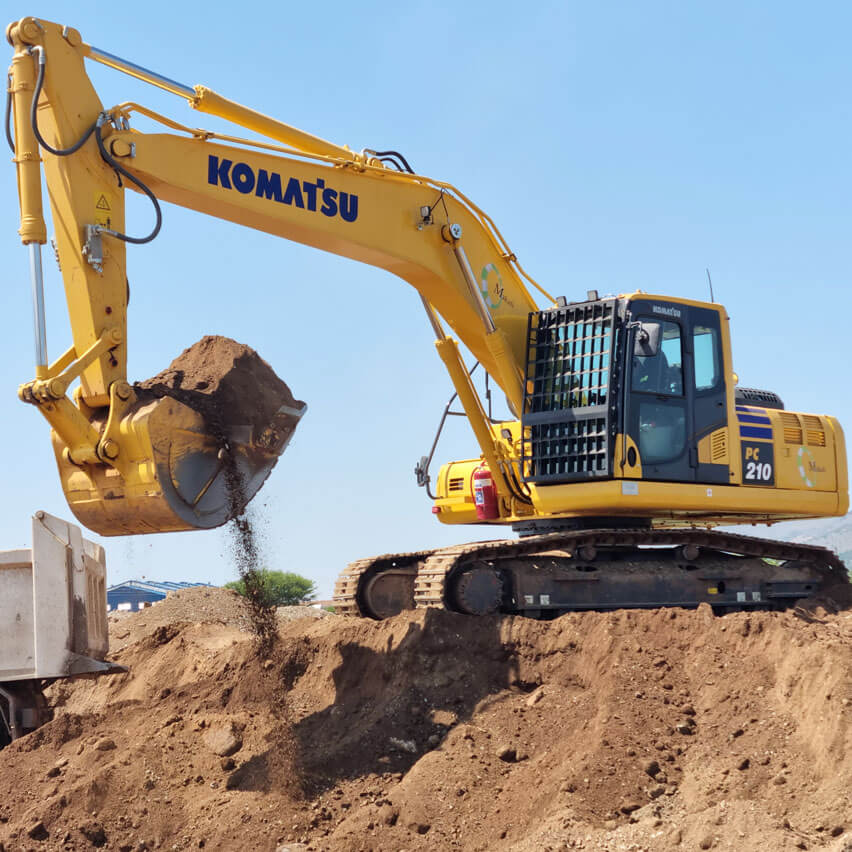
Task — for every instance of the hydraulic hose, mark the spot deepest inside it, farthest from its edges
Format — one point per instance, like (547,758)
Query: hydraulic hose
(397,155)
(58,152)
(64,152)
(122,171)
(8,122)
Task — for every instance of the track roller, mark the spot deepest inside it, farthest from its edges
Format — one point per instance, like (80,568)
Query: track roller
(478,591)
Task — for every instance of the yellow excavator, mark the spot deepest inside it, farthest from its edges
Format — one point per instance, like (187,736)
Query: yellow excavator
(629,438)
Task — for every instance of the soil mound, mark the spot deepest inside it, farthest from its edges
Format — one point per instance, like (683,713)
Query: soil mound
(227,382)
(643,730)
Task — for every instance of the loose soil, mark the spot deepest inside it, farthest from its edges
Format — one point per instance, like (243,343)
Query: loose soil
(231,386)
(227,382)
(641,730)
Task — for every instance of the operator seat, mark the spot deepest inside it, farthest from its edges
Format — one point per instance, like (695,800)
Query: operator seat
(651,373)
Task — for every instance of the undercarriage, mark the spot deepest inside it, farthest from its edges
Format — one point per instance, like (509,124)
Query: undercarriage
(23,708)
(544,576)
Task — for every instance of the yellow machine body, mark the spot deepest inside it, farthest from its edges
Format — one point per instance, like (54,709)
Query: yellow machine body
(129,465)
(810,478)
(775,465)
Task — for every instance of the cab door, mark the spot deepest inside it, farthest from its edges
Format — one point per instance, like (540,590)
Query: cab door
(675,396)
(710,402)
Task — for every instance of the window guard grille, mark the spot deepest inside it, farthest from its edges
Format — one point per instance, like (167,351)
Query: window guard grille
(568,382)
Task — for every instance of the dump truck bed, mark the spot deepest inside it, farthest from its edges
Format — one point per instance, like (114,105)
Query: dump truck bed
(53,620)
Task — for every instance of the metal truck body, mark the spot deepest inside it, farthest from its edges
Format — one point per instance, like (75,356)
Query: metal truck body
(53,618)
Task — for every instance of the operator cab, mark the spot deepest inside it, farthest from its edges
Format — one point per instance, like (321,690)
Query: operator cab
(625,387)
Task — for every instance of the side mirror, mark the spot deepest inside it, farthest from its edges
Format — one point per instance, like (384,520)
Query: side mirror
(646,343)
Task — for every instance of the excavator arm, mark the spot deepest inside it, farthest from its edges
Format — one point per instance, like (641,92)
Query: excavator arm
(129,465)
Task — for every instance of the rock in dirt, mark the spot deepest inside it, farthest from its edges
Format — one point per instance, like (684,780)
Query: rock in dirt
(535,696)
(37,831)
(507,753)
(388,814)
(651,767)
(223,740)
(94,833)
(403,745)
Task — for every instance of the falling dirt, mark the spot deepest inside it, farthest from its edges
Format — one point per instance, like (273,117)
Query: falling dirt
(245,555)
(231,386)
(643,730)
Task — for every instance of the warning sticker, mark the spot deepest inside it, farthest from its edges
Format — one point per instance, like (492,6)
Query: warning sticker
(103,209)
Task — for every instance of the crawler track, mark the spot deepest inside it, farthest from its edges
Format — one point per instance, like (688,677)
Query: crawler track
(356,591)
(546,575)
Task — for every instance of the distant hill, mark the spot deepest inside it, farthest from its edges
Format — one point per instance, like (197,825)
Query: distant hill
(835,533)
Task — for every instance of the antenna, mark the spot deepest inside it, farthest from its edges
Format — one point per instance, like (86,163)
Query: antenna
(710,282)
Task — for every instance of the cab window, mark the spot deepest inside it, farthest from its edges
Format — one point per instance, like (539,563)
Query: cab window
(708,364)
(661,373)
(662,430)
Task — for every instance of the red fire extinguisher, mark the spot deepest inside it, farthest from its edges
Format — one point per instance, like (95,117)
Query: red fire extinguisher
(484,494)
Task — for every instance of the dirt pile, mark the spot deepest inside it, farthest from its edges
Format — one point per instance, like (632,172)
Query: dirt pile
(645,730)
(227,382)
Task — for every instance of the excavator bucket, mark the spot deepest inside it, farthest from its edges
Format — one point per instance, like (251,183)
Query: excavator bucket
(197,444)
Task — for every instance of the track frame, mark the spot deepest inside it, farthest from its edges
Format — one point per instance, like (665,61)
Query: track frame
(546,575)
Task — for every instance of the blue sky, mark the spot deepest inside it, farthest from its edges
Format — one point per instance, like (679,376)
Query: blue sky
(617,146)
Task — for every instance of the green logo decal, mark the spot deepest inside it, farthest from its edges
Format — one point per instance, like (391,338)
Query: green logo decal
(806,466)
(491,285)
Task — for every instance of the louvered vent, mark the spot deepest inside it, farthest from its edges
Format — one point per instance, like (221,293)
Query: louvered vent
(456,484)
(719,446)
(814,430)
(792,428)
(567,406)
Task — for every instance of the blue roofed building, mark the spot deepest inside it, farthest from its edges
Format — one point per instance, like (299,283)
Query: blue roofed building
(133,595)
